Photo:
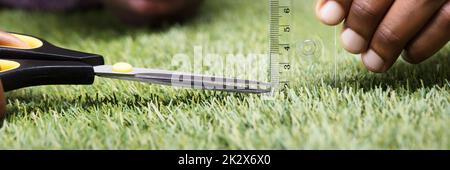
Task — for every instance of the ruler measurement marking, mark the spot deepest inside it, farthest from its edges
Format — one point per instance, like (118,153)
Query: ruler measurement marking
(274,40)
(278,62)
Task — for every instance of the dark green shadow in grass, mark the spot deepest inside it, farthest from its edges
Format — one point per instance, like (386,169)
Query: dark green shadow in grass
(433,73)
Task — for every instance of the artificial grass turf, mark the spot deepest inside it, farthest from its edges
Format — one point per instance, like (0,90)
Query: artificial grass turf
(326,107)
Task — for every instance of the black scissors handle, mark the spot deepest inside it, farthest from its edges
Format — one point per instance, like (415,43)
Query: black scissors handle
(45,64)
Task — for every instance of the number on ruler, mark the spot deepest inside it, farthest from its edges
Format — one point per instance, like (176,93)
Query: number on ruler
(287,29)
(287,10)
(287,47)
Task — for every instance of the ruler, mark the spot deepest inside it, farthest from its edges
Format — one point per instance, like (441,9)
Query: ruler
(280,46)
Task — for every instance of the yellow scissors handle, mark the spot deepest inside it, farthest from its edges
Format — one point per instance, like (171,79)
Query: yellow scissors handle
(45,64)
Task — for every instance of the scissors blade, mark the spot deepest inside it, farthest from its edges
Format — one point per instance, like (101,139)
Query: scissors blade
(187,80)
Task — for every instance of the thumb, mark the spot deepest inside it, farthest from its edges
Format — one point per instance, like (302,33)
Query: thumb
(6,39)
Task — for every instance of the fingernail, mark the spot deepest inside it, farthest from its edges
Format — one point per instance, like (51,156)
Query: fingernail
(373,61)
(331,13)
(352,41)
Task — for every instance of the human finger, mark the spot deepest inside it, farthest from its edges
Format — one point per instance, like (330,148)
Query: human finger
(399,26)
(432,38)
(362,22)
(332,12)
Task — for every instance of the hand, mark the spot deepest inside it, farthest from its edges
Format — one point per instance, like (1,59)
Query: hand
(7,39)
(2,103)
(153,11)
(381,29)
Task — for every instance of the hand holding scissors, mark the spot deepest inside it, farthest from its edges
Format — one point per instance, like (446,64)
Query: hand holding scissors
(7,40)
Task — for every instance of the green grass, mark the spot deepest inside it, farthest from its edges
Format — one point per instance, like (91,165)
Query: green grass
(407,108)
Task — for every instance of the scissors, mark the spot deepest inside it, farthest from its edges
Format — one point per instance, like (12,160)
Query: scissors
(46,64)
